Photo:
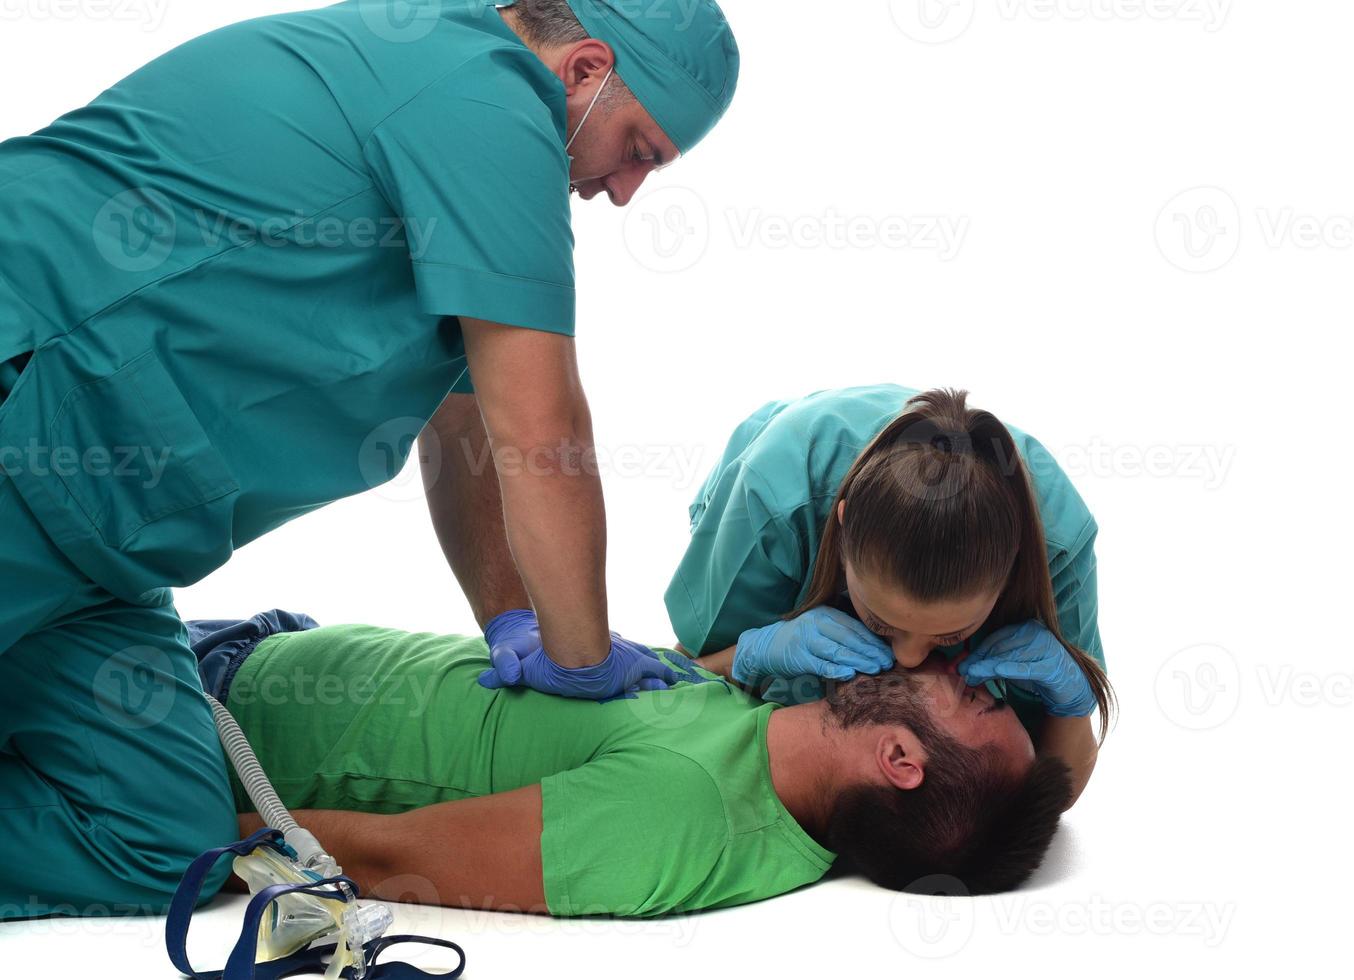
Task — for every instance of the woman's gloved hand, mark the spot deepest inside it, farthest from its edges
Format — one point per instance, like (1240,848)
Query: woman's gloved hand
(519,660)
(1029,656)
(823,642)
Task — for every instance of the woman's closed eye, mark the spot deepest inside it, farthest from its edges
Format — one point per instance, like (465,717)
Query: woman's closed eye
(874,626)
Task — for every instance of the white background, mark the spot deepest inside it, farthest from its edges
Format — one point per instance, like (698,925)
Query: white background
(1150,211)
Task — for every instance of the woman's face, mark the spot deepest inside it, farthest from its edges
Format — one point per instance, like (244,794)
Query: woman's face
(915,628)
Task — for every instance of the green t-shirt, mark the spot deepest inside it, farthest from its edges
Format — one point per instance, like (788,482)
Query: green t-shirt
(661,803)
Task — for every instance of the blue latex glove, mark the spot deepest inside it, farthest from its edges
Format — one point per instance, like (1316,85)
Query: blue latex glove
(519,660)
(823,642)
(1029,656)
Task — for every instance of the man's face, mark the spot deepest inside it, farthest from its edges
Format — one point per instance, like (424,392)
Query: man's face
(892,708)
(617,149)
(971,715)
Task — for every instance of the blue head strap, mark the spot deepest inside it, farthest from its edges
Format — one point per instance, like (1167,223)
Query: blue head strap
(241,965)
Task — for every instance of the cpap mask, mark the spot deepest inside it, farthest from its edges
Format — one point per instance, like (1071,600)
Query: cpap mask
(299,895)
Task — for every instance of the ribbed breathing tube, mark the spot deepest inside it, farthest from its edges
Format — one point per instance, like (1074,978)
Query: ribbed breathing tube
(310,854)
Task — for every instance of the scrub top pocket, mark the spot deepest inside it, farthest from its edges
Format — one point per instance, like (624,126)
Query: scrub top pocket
(118,470)
(130,451)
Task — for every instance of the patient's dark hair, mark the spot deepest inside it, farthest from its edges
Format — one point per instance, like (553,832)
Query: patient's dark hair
(970,821)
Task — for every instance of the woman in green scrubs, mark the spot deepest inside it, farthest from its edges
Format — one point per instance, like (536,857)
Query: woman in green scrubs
(852,529)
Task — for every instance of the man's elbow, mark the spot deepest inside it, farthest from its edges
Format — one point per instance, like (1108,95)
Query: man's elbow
(557,439)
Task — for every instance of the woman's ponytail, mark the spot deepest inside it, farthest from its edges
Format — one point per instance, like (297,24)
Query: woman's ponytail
(940,505)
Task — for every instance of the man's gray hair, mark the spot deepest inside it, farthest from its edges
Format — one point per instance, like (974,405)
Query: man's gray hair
(549,22)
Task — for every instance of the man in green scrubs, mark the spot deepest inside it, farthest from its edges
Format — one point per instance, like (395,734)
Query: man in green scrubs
(757,522)
(233,289)
(708,796)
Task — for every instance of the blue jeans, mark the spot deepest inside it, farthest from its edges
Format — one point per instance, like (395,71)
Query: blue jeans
(222,645)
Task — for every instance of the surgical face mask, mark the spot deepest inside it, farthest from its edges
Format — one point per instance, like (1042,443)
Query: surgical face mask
(582,122)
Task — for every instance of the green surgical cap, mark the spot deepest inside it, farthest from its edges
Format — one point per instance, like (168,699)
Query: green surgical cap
(679,57)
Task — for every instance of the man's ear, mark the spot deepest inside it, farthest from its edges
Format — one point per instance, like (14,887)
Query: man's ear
(900,759)
(585,61)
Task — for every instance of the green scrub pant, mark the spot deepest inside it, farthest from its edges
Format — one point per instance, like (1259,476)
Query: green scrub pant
(111,776)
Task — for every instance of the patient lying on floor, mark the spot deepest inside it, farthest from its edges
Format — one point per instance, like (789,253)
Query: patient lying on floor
(427,787)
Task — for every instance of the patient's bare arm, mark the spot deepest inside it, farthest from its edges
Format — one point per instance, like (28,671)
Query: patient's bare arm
(481,853)
(1073,741)
(720,663)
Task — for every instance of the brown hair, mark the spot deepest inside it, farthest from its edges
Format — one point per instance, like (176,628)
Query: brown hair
(940,506)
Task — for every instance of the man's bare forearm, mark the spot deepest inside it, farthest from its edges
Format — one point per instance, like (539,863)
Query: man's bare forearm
(466,504)
(540,427)
(558,536)
(545,475)
(482,853)
(1073,741)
